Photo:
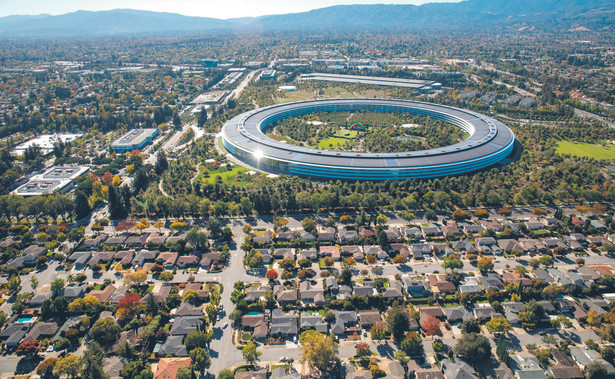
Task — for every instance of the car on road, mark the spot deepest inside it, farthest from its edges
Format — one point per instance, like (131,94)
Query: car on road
(224,325)
(49,349)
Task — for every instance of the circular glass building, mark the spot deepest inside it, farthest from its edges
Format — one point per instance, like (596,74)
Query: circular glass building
(490,142)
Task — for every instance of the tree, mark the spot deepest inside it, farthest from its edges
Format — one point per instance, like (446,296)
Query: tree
(608,353)
(93,362)
(505,211)
(57,286)
(381,219)
(191,297)
(309,225)
(431,215)
(346,276)
(82,205)
(481,213)
(135,278)
(105,331)
(363,350)
(184,373)
(561,322)
(539,212)
(498,325)
(63,344)
(485,265)
(116,205)
(532,313)
(502,349)
(596,370)
(452,262)
(287,264)
(197,238)
(318,351)
(379,331)
(166,276)
(137,369)
(196,339)
(520,270)
(33,282)
(546,260)
(129,307)
(69,365)
(398,320)
(271,274)
(473,348)
(45,369)
(158,224)
(593,319)
(400,259)
(28,348)
(202,119)
(412,345)
(280,222)
(250,354)
(431,326)
(200,360)
(460,214)
(225,374)
(161,162)
(454,277)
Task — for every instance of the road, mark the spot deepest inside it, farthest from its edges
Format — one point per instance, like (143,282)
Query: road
(583,114)
(222,351)
(239,89)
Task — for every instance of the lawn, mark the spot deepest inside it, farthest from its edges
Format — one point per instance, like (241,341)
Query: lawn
(328,93)
(227,176)
(584,150)
(287,97)
(331,142)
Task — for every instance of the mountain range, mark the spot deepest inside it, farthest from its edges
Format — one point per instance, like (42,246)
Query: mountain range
(471,15)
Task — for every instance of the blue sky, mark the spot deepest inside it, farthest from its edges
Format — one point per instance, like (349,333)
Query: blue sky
(204,8)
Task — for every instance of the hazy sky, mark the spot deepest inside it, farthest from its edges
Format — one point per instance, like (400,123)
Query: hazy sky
(205,8)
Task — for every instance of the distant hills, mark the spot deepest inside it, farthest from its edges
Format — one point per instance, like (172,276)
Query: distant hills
(474,15)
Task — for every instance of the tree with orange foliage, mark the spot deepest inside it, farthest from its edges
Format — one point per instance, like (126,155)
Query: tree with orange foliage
(481,213)
(271,274)
(400,259)
(107,178)
(599,208)
(28,348)
(129,307)
(583,208)
(363,350)
(431,326)
(505,211)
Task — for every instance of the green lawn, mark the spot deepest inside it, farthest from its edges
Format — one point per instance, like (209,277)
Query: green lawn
(331,142)
(227,176)
(584,150)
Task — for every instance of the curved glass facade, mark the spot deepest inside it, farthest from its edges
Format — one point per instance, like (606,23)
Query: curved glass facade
(490,142)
